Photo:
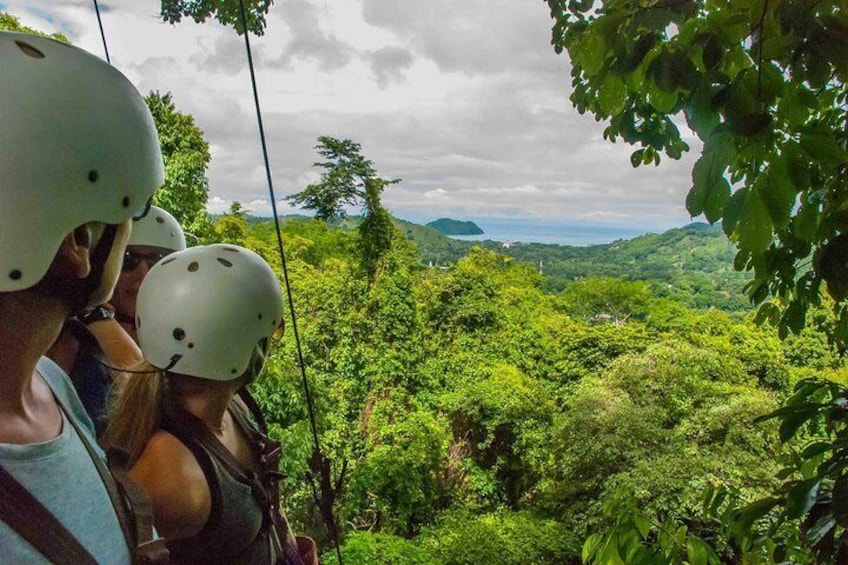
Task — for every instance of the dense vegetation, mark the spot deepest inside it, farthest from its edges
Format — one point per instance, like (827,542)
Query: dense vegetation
(473,416)
(607,411)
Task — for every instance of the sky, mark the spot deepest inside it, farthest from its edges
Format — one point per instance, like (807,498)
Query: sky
(466,102)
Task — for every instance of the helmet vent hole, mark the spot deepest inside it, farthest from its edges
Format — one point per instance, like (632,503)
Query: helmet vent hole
(126,202)
(137,322)
(232,249)
(224,262)
(93,175)
(179,334)
(191,345)
(169,260)
(234,371)
(260,316)
(16,275)
(193,267)
(29,50)
(160,220)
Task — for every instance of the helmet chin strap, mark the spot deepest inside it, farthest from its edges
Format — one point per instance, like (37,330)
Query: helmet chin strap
(77,293)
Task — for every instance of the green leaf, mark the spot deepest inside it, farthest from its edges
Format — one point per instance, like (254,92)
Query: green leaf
(805,224)
(754,228)
(717,198)
(695,552)
(732,212)
(777,191)
(792,422)
(589,547)
(612,96)
(802,497)
(820,528)
(710,191)
(643,526)
(816,448)
(753,512)
(592,52)
(636,157)
(824,149)
(662,101)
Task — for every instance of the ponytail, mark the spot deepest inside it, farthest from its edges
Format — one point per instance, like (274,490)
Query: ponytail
(135,410)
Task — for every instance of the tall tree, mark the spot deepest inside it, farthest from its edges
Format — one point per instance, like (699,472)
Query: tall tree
(349,179)
(762,84)
(186,155)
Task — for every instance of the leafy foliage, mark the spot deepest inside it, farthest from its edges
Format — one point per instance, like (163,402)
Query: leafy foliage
(762,84)
(186,156)
(351,179)
(227,12)
(8,22)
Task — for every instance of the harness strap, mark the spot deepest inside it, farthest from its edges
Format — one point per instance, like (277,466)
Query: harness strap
(127,498)
(36,524)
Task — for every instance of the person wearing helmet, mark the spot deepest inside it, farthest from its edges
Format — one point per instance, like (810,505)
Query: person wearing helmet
(79,157)
(104,336)
(154,237)
(192,434)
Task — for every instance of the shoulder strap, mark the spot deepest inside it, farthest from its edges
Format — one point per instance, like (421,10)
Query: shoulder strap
(36,524)
(177,428)
(131,504)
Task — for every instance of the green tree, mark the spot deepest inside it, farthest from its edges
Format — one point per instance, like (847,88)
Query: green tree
(233,227)
(351,179)
(762,84)
(226,12)
(186,155)
(595,299)
(8,22)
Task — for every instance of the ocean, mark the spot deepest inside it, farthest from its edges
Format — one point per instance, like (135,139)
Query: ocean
(549,231)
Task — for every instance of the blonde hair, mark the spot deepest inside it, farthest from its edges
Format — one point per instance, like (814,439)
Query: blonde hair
(136,406)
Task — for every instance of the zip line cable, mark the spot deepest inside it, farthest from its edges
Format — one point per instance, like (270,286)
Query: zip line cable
(317,453)
(328,512)
(102,35)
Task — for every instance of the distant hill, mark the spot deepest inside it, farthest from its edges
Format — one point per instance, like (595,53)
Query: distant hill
(448,226)
(692,264)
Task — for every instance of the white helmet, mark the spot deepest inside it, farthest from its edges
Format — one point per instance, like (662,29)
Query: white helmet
(202,311)
(77,145)
(158,229)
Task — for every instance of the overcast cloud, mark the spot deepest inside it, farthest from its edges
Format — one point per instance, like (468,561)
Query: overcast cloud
(464,101)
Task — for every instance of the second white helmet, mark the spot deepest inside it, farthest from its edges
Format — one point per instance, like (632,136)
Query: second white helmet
(202,311)
(158,229)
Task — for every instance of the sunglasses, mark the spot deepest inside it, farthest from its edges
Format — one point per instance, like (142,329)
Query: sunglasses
(133,259)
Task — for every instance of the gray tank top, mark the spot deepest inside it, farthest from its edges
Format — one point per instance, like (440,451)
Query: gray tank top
(238,531)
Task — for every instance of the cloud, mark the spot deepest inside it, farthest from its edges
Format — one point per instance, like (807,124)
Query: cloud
(307,40)
(474,36)
(466,102)
(388,64)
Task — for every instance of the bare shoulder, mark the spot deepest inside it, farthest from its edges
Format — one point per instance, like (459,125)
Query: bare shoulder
(176,485)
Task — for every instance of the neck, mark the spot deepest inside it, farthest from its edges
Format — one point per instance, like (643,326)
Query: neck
(31,323)
(208,400)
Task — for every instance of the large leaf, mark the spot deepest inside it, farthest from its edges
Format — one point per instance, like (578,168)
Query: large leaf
(777,192)
(754,228)
(612,95)
(802,497)
(592,52)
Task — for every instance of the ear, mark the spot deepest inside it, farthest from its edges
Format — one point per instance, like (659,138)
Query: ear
(74,255)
